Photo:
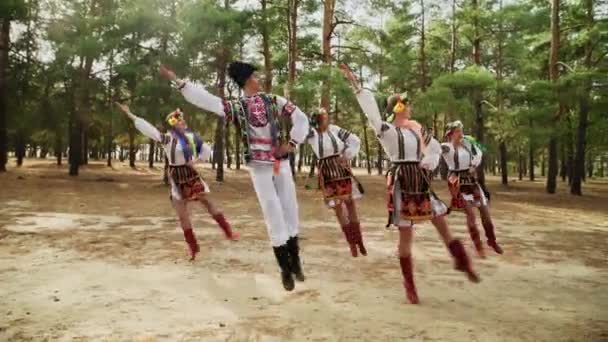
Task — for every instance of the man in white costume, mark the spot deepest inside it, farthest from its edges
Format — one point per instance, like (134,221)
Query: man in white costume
(266,150)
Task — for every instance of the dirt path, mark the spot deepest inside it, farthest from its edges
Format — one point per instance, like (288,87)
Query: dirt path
(99,257)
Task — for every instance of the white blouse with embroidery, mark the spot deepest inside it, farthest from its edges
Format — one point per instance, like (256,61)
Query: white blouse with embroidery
(334,141)
(259,129)
(461,157)
(400,144)
(166,140)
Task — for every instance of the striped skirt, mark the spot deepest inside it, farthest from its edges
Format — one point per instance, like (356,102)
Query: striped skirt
(336,181)
(186,183)
(465,189)
(409,195)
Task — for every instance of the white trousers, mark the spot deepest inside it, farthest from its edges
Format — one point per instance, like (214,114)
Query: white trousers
(277,197)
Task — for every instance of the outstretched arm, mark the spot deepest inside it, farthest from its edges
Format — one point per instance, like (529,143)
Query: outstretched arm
(195,93)
(366,101)
(141,125)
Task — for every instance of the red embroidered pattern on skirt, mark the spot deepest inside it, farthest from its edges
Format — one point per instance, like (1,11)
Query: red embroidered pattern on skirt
(335,179)
(188,181)
(414,190)
(462,183)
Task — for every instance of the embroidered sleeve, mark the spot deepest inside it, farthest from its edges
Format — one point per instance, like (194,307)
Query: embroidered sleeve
(165,138)
(148,129)
(343,134)
(426,135)
(445,148)
(231,108)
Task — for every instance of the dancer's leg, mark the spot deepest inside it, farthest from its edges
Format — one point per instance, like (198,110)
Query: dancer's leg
(355,224)
(473,230)
(218,216)
(181,208)
(488,227)
(463,263)
(263,183)
(406,238)
(341,211)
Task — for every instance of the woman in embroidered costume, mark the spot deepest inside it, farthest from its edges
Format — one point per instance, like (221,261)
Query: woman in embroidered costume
(183,147)
(266,150)
(463,155)
(334,148)
(413,153)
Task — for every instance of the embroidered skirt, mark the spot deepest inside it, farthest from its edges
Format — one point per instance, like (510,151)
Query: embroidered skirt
(336,181)
(409,195)
(465,189)
(186,183)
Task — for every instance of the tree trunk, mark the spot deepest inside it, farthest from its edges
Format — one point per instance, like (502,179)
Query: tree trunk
(19,148)
(301,158)
(166,171)
(366,144)
(531,161)
(132,151)
(477,95)
(453,39)
(58,148)
(601,170)
(543,166)
(5,31)
(581,137)
(328,28)
(266,48)
(292,29)
(503,163)
(423,67)
(521,165)
(151,153)
(80,112)
(564,168)
(85,147)
(590,166)
(228,145)
(554,76)
(238,148)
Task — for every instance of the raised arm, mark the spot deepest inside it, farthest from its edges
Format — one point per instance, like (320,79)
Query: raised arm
(299,120)
(195,93)
(141,125)
(366,101)
(352,143)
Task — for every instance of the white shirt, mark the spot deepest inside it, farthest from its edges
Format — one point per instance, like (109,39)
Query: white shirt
(346,143)
(258,130)
(462,157)
(400,144)
(167,141)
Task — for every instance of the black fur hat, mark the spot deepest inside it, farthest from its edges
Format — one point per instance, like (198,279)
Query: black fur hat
(240,72)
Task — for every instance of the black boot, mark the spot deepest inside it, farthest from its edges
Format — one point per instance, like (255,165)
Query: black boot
(282,255)
(294,258)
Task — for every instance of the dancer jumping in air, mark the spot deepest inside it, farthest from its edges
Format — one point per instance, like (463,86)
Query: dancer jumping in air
(413,153)
(334,148)
(266,148)
(463,155)
(183,147)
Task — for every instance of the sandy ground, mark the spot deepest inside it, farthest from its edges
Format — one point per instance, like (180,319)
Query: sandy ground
(99,258)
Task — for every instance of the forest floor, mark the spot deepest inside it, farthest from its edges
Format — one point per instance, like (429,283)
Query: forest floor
(99,257)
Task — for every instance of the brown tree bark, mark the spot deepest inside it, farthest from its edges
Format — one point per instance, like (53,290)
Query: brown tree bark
(554,76)
(329,7)
(5,31)
(292,30)
(266,47)
(477,95)
(422,52)
(581,139)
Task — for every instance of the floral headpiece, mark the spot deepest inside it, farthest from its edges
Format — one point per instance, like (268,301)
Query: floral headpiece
(396,103)
(452,126)
(174,117)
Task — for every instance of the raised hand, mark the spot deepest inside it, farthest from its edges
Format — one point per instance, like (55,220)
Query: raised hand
(167,73)
(125,109)
(350,76)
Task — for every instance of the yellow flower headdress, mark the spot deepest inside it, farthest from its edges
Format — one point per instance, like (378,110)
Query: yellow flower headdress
(174,117)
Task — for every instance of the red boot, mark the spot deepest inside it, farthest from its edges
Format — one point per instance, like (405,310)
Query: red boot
(463,263)
(221,221)
(488,227)
(474,233)
(350,238)
(356,227)
(192,243)
(408,279)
